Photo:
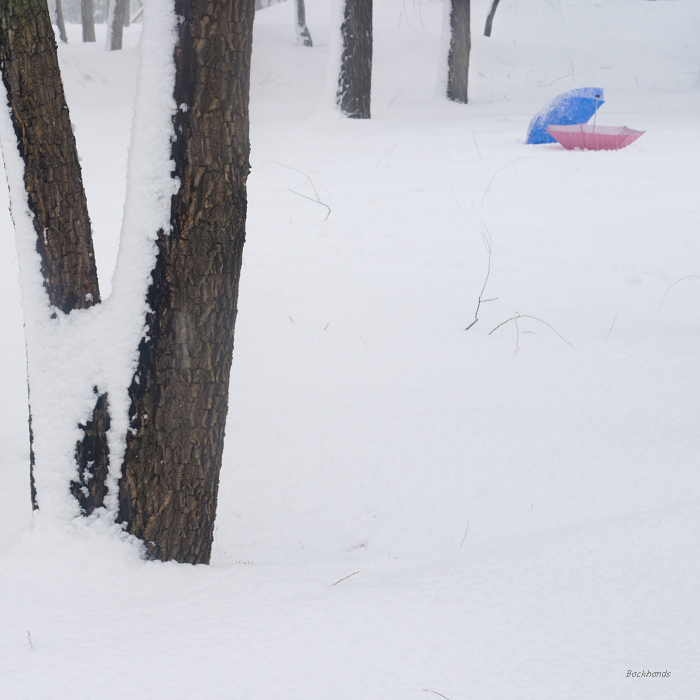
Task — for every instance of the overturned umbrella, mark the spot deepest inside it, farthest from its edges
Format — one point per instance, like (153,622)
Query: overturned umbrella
(573,107)
(593,138)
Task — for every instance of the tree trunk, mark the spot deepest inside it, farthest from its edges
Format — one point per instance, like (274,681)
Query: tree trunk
(127,13)
(355,80)
(87,16)
(460,46)
(303,33)
(489,19)
(52,176)
(117,17)
(60,23)
(169,485)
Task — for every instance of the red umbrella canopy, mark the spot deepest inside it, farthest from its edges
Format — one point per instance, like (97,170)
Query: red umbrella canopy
(593,138)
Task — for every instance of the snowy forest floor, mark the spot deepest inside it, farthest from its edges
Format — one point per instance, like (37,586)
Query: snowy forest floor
(408,508)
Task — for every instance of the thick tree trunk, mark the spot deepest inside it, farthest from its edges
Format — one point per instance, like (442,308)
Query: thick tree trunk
(169,485)
(87,16)
(117,17)
(46,143)
(355,80)
(52,176)
(460,47)
(303,33)
(489,19)
(60,23)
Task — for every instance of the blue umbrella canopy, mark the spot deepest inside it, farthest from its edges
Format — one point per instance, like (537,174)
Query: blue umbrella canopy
(573,107)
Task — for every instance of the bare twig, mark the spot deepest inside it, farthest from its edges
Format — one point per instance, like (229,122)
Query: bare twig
(465,534)
(317,199)
(687,277)
(29,639)
(427,690)
(391,150)
(346,577)
(611,327)
(478,152)
(487,242)
(534,318)
(311,199)
(507,165)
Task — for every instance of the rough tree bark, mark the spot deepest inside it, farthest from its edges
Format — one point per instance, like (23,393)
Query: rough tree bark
(87,17)
(355,80)
(303,33)
(460,47)
(118,17)
(179,394)
(489,19)
(169,487)
(52,175)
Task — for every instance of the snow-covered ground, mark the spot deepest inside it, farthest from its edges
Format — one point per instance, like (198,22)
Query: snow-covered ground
(408,509)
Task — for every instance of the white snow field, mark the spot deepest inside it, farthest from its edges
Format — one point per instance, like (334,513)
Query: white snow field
(410,510)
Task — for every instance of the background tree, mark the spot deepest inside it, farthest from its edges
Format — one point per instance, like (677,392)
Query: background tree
(117,19)
(179,395)
(60,22)
(355,80)
(87,17)
(460,47)
(303,33)
(489,19)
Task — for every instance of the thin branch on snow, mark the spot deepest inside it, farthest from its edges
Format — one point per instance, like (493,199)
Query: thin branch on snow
(687,277)
(427,690)
(487,242)
(346,577)
(316,199)
(534,318)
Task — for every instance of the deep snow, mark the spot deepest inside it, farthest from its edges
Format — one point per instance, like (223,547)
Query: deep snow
(522,514)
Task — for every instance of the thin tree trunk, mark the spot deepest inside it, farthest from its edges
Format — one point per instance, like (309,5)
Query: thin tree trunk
(127,13)
(87,16)
(52,177)
(489,19)
(169,484)
(303,33)
(460,47)
(60,23)
(116,17)
(355,80)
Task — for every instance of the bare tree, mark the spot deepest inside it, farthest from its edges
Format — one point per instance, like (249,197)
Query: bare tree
(117,18)
(179,395)
(87,16)
(460,47)
(489,19)
(355,80)
(303,33)
(60,23)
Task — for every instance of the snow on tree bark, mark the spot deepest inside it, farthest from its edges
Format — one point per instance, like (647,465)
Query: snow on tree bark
(355,80)
(303,33)
(460,47)
(179,395)
(53,183)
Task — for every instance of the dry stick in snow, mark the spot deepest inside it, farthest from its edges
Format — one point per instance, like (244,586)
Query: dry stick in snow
(487,242)
(611,327)
(500,170)
(465,534)
(534,318)
(346,577)
(309,180)
(687,277)
(427,690)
